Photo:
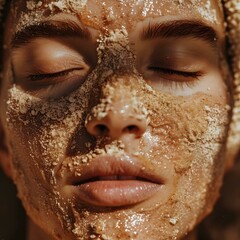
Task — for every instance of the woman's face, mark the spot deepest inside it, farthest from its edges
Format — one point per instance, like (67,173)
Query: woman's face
(117,115)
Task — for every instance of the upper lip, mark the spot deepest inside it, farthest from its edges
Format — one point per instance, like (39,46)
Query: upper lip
(104,166)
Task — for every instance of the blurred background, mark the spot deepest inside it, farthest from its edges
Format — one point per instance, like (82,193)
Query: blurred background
(12,216)
(224,222)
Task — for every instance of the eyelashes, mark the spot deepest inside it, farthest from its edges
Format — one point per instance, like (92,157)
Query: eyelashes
(182,73)
(54,85)
(166,77)
(60,83)
(195,75)
(65,73)
(59,69)
(46,76)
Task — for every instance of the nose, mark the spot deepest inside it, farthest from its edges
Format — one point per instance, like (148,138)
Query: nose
(117,122)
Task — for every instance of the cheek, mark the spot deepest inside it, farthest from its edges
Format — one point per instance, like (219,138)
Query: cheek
(42,134)
(191,132)
(186,127)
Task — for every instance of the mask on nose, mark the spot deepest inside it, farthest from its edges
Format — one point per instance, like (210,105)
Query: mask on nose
(232,13)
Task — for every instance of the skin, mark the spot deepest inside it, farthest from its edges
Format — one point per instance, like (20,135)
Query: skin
(179,122)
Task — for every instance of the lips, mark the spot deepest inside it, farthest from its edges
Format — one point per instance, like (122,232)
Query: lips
(115,182)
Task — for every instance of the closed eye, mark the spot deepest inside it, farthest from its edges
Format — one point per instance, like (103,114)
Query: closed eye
(43,76)
(56,84)
(175,72)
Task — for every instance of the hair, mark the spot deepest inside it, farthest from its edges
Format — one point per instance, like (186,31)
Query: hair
(232,16)
(4,10)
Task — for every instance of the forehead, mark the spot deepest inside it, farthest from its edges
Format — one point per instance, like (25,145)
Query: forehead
(117,13)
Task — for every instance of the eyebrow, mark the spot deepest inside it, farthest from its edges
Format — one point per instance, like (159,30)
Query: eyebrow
(49,29)
(181,28)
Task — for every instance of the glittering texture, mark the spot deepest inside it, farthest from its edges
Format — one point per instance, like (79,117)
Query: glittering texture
(60,123)
(199,142)
(205,132)
(232,10)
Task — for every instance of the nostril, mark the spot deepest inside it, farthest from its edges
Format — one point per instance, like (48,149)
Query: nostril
(114,127)
(101,129)
(131,129)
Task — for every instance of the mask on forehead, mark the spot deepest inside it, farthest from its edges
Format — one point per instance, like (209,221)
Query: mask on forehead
(234,135)
(232,13)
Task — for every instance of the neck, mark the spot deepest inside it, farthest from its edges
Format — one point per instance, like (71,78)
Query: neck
(36,233)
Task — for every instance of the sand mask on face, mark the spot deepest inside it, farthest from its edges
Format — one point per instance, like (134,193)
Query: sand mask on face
(232,13)
(59,119)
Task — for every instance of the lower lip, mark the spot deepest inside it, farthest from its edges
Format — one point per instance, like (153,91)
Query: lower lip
(116,193)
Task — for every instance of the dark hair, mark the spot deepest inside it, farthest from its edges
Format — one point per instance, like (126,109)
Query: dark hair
(3,15)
